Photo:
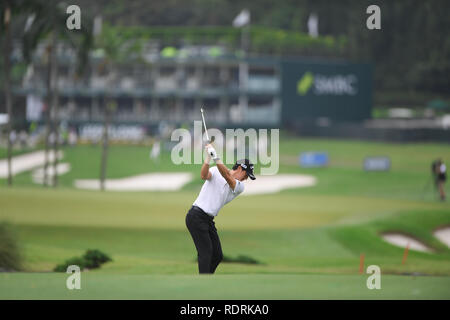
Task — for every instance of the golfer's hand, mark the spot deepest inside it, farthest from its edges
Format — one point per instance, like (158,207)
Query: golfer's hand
(207,146)
(212,152)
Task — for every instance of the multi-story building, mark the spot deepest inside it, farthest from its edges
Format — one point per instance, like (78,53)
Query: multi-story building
(172,89)
(169,86)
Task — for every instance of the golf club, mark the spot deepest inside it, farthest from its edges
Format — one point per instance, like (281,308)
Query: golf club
(206,130)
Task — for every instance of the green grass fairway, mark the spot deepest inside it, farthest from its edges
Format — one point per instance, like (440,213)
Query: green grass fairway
(244,286)
(308,240)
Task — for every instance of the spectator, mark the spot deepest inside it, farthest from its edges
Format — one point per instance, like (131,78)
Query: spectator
(23,139)
(440,175)
(73,138)
(13,137)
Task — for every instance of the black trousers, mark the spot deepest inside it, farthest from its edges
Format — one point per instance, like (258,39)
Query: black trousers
(204,233)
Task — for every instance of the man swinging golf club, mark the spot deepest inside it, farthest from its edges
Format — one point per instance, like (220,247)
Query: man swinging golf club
(220,187)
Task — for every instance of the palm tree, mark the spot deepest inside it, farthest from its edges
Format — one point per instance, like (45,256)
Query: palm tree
(110,46)
(113,51)
(50,19)
(110,108)
(10,9)
(7,84)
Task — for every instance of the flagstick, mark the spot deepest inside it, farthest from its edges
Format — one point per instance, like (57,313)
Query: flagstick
(361,263)
(405,254)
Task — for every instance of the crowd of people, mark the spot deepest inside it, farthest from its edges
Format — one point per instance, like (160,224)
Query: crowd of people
(30,138)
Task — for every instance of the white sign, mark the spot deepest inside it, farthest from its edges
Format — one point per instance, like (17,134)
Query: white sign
(3,118)
(94,132)
(242,19)
(335,85)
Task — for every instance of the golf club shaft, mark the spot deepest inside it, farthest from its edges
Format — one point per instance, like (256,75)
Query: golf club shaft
(204,124)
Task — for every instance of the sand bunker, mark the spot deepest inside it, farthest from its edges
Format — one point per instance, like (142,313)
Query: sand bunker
(175,181)
(143,182)
(38,174)
(26,162)
(443,234)
(276,183)
(402,240)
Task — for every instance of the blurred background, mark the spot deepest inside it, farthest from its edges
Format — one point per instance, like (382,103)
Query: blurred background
(160,61)
(364,118)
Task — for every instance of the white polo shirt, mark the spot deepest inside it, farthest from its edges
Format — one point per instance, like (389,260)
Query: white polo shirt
(216,193)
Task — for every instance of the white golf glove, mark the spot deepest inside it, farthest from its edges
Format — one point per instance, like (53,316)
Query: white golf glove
(212,152)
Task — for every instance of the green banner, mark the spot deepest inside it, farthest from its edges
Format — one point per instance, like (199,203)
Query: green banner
(337,91)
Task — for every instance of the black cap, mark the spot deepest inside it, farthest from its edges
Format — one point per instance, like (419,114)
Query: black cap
(247,166)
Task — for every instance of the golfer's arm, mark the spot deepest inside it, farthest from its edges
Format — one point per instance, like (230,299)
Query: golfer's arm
(226,174)
(204,172)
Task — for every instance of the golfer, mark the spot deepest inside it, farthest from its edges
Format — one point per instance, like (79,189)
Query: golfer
(221,186)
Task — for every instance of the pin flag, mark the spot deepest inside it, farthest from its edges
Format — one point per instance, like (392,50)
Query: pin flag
(361,263)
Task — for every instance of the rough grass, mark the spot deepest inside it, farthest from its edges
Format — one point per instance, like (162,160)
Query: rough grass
(10,250)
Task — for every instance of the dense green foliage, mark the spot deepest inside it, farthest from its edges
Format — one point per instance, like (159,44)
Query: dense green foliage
(264,40)
(240,259)
(10,255)
(92,259)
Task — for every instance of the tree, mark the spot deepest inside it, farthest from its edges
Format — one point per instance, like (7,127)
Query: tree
(7,85)
(50,23)
(8,10)
(110,45)
(110,108)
